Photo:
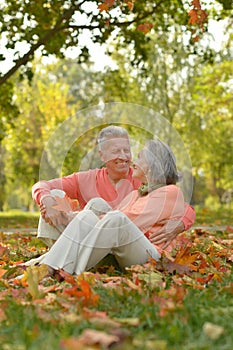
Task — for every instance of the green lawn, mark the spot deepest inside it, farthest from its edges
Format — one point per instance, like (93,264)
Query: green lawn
(205,216)
(18,219)
(181,305)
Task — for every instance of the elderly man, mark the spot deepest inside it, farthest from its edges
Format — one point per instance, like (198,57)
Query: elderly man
(112,183)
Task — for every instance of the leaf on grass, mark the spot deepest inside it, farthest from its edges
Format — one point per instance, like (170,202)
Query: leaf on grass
(206,279)
(90,337)
(106,322)
(153,279)
(212,330)
(2,315)
(71,317)
(33,275)
(185,257)
(11,271)
(129,321)
(150,344)
(4,252)
(2,273)
(229,229)
(82,290)
(172,267)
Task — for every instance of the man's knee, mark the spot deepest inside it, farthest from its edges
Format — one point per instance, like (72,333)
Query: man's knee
(116,217)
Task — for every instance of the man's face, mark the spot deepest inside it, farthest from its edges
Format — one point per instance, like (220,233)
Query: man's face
(116,154)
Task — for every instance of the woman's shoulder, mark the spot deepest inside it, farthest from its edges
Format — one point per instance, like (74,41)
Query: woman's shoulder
(168,189)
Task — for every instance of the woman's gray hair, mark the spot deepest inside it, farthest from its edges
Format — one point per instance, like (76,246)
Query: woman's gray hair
(161,162)
(110,132)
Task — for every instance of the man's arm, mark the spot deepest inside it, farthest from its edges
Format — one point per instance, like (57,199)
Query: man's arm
(173,227)
(68,184)
(41,193)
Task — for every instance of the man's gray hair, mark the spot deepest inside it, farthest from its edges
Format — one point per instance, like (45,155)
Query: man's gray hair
(161,162)
(110,132)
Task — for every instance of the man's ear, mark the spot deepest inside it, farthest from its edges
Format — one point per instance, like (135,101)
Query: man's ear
(101,155)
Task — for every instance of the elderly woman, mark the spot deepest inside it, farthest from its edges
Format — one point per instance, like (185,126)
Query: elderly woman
(127,232)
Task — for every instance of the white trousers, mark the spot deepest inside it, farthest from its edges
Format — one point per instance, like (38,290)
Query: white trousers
(49,234)
(87,239)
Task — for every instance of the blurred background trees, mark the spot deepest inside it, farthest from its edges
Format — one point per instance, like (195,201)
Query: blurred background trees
(158,60)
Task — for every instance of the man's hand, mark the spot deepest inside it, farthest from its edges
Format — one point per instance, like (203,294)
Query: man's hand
(167,233)
(52,216)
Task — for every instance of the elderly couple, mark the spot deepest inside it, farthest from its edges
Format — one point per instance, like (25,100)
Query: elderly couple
(130,212)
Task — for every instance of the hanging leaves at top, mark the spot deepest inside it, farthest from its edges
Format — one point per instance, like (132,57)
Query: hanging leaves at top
(198,18)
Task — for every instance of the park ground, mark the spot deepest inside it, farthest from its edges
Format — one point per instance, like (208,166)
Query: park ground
(182,302)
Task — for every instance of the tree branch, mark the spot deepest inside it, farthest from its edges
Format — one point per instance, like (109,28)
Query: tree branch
(24,59)
(59,27)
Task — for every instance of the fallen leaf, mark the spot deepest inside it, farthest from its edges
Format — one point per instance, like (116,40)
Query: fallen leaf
(172,267)
(185,257)
(2,272)
(2,315)
(212,330)
(65,204)
(92,337)
(229,229)
(153,279)
(33,275)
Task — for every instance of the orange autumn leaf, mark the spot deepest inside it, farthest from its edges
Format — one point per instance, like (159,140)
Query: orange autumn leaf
(185,257)
(83,291)
(2,272)
(193,17)
(110,3)
(105,6)
(67,277)
(197,17)
(229,229)
(65,204)
(130,5)
(196,4)
(145,27)
(205,279)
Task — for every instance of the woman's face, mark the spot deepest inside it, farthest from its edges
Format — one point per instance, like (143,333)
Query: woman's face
(140,167)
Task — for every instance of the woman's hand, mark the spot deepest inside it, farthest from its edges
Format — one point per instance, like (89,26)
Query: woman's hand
(165,235)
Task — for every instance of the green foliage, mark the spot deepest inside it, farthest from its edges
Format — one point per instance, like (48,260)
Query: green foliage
(211,126)
(154,70)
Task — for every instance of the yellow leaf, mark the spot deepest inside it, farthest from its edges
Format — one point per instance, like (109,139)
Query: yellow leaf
(33,275)
(130,321)
(152,279)
(212,330)
(216,245)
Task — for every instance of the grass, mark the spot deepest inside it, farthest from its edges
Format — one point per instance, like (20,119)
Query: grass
(18,219)
(214,217)
(168,313)
(204,216)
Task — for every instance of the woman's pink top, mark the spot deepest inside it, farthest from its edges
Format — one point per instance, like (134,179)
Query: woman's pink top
(151,212)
